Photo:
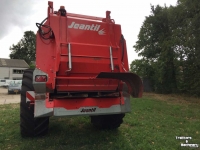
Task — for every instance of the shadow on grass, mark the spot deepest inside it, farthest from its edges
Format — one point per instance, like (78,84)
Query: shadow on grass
(76,133)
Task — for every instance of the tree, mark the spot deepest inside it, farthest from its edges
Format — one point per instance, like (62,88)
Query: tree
(187,37)
(142,67)
(169,41)
(155,45)
(145,69)
(25,48)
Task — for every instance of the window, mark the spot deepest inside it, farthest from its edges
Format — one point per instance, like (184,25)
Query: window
(17,78)
(18,71)
(2,80)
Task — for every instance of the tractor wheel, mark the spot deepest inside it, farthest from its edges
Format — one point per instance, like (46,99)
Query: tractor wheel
(107,121)
(30,126)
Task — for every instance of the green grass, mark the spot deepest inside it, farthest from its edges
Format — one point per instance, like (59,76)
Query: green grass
(153,124)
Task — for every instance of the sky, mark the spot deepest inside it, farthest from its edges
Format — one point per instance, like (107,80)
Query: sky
(18,16)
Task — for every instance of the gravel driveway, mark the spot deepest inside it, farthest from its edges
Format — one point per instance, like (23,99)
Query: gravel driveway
(6,98)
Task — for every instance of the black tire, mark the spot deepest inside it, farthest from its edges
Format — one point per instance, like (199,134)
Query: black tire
(107,121)
(30,126)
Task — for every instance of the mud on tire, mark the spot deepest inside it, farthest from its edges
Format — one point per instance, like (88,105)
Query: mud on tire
(30,126)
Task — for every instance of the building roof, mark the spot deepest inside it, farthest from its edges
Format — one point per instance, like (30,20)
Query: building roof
(18,63)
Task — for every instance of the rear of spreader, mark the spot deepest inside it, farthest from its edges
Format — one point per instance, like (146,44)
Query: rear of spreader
(81,69)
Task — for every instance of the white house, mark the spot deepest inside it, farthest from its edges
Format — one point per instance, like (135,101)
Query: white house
(12,68)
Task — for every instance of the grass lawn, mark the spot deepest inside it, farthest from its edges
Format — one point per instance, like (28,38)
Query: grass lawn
(154,123)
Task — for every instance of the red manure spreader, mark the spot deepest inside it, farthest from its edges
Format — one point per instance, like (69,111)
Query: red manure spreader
(81,69)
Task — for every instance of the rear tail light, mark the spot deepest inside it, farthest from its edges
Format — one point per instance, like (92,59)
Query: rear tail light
(40,78)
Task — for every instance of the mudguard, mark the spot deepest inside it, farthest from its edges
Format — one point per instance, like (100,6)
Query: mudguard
(132,80)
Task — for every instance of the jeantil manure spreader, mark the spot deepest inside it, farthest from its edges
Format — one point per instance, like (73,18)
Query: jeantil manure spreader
(81,69)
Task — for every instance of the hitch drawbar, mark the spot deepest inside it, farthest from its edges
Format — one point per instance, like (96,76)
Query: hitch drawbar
(132,80)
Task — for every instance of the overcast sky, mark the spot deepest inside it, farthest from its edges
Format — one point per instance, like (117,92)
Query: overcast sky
(18,16)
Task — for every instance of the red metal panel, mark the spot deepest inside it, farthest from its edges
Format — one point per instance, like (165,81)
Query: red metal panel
(90,39)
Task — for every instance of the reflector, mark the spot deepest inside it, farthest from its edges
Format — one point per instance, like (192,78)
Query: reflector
(40,78)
